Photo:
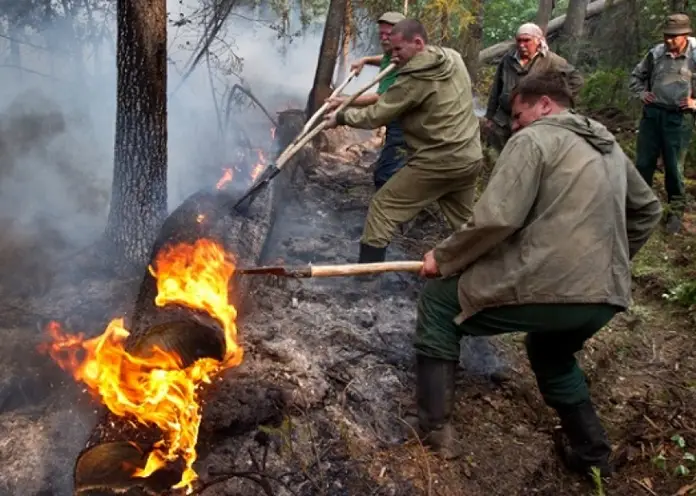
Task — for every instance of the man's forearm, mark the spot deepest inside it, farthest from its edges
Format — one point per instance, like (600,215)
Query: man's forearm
(365,100)
(373,59)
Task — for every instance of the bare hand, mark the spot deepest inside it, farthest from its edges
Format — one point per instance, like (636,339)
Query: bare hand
(330,120)
(429,268)
(487,124)
(647,97)
(688,103)
(357,66)
(335,102)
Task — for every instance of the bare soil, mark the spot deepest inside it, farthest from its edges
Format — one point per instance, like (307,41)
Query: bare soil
(315,407)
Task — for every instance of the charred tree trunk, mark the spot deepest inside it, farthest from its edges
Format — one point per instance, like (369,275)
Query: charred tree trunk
(347,38)
(573,29)
(139,187)
(116,445)
(328,53)
(544,13)
(473,40)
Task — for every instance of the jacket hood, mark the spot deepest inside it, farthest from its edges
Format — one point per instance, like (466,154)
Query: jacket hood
(432,64)
(590,130)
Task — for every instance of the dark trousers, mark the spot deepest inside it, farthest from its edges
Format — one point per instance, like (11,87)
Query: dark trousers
(555,332)
(393,155)
(667,133)
(497,136)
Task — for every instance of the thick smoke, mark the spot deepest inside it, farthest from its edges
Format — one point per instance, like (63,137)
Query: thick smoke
(58,107)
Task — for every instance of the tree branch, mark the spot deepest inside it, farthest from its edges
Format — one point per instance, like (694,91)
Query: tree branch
(593,9)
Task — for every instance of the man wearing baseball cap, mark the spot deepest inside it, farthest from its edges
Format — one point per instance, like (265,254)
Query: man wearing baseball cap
(393,155)
(665,81)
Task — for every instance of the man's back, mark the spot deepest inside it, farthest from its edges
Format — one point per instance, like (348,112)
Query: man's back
(440,125)
(575,184)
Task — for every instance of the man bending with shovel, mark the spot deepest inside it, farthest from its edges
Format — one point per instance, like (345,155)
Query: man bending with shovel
(547,252)
(432,100)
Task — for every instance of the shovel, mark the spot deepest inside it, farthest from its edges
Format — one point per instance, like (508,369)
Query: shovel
(273,170)
(312,120)
(357,269)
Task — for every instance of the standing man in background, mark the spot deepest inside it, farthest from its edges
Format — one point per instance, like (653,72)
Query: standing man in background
(433,101)
(393,155)
(665,81)
(530,55)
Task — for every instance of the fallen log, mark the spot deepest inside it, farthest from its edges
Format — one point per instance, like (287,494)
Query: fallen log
(114,460)
(491,53)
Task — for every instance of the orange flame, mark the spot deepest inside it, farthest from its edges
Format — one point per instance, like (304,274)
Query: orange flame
(155,390)
(258,168)
(226,178)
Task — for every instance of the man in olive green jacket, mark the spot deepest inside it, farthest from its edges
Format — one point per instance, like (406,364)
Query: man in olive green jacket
(433,102)
(531,55)
(547,252)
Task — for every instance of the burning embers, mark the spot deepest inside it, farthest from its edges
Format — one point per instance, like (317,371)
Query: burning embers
(228,172)
(153,379)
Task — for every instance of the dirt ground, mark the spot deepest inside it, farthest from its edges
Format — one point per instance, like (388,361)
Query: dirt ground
(315,407)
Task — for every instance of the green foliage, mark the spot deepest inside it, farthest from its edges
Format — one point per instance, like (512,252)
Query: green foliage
(503,17)
(683,294)
(606,88)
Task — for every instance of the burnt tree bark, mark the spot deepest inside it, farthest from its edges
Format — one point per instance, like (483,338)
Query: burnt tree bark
(236,405)
(139,186)
(346,40)
(544,13)
(328,53)
(573,29)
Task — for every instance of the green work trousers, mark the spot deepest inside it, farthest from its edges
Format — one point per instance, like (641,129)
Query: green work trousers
(412,189)
(555,332)
(667,133)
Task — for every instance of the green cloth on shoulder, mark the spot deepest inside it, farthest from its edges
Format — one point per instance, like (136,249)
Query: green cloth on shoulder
(385,83)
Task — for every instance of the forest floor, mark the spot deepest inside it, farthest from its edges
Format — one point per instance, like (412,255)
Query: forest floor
(341,352)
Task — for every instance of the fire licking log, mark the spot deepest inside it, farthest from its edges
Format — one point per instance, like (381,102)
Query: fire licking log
(181,334)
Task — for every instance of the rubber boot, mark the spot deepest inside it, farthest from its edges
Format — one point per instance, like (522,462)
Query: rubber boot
(674,224)
(370,254)
(588,445)
(435,400)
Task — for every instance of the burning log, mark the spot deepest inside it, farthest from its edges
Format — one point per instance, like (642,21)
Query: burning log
(181,335)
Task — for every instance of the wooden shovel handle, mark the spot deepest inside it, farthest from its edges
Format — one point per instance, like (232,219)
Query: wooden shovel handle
(294,147)
(364,268)
(323,108)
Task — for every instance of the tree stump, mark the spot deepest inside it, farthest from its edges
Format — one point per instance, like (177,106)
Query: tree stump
(116,445)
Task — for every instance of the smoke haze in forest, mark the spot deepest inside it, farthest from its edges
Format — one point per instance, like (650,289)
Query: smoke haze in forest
(58,105)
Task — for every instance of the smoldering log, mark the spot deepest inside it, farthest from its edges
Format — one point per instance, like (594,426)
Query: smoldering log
(116,447)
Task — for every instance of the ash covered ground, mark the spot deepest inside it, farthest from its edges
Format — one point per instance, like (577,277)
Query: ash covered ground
(315,407)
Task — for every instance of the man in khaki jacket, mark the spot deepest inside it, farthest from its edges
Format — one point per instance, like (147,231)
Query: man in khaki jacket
(547,252)
(432,100)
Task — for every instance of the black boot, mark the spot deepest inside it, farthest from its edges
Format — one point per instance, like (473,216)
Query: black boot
(435,400)
(674,224)
(369,254)
(588,445)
